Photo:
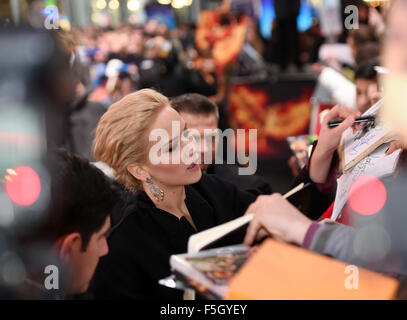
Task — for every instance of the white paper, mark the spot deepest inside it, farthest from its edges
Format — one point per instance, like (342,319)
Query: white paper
(377,164)
(355,143)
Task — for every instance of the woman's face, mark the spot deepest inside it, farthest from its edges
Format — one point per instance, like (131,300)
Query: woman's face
(179,165)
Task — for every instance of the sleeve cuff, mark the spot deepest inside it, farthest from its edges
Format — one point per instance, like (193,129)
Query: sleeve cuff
(330,184)
(306,244)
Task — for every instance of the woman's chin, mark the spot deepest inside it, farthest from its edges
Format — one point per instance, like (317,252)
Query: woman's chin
(194,176)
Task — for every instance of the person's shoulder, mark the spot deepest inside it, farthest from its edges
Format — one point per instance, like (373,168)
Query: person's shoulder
(250,183)
(232,171)
(127,216)
(214,186)
(211,181)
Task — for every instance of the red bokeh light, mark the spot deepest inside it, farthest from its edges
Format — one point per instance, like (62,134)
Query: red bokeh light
(24,187)
(367,195)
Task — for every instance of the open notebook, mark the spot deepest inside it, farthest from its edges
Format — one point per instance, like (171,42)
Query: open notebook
(358,145)
(376,164)
(364,154)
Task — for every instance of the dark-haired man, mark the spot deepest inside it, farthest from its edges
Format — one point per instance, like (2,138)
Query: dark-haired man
(202,114)
(74,226)
(365,79)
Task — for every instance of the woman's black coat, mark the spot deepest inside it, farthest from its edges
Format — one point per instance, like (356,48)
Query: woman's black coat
(144,237)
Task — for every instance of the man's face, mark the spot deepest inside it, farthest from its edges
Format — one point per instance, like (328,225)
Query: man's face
(363,101)
(83,263)
(208,143)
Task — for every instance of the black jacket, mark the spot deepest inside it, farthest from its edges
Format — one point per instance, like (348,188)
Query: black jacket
(144,237)
(229,172)
(83,123)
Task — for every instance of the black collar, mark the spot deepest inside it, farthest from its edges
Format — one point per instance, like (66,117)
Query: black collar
(201,211)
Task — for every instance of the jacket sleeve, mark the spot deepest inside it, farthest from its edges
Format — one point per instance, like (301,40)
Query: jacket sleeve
(129,271)
(354,246)
(321,194)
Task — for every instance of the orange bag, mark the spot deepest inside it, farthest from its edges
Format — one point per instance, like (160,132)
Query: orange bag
(283,271)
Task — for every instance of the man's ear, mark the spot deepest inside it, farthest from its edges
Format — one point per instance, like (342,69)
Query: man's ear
(138,171)
(69,245)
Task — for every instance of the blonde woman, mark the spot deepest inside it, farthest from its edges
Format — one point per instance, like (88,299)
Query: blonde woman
(165,203)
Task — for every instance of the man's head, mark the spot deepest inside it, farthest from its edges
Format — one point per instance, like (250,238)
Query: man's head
(200,114)
(77,218)
(360,36)
(365,78)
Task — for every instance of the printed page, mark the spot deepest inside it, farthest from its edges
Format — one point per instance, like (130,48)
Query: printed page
(359,144)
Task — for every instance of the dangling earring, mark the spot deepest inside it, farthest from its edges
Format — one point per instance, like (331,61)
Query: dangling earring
(155,190)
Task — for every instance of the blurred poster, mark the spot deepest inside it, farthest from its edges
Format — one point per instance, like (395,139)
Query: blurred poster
(222,34)
(277,110)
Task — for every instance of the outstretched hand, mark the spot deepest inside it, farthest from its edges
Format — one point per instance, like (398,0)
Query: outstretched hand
(329,140)
(274,215)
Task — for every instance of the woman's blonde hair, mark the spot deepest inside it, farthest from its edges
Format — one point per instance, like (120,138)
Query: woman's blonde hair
(121,134)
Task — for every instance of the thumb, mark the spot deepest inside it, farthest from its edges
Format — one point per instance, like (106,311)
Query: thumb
(347,123)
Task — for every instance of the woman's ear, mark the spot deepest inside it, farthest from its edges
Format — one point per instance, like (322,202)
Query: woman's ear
(69,245)
(138,171)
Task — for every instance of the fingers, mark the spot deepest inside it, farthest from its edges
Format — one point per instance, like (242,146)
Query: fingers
(344,112)
(252,230)
(390,150)
(394,145)
(340,112)
(347,123)
(253,207)
(261,234)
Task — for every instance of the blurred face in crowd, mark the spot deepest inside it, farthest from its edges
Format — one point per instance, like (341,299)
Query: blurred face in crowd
(151,27)
(83,262)
(162,30)
(176,172)
(395,60)
(202,122)
(363,89)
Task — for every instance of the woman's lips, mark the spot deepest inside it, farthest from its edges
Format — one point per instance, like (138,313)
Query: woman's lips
(193,166)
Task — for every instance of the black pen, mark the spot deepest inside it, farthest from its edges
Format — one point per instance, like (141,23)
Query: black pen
(335,123)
